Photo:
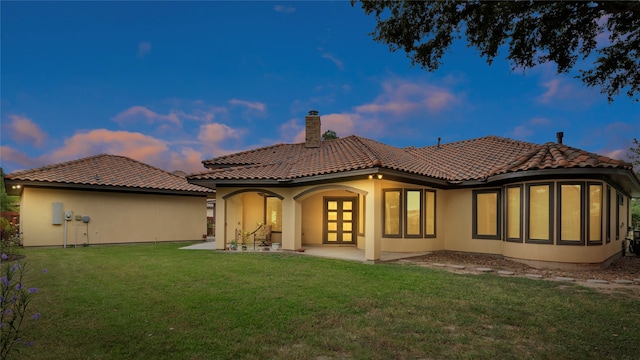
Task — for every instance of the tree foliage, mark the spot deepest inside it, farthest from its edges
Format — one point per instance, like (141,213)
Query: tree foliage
(7,202)
(329,135)
(532,33)
(634,155)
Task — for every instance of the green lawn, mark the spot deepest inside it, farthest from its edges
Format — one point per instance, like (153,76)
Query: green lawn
(159,302)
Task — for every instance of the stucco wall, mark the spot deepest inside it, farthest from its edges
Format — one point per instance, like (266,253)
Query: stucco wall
(114,217)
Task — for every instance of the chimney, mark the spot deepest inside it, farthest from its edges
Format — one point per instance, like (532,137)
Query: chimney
(559,135)
(438,142)
(312,130)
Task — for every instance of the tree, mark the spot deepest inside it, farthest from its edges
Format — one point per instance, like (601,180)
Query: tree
(329,135)
(7,202)
(634,156)
(532,33)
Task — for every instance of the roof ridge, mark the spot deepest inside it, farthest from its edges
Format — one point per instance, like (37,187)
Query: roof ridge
(237,154)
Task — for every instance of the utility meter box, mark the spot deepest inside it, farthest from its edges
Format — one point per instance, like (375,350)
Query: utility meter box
(68,215)
(85,219)
(78,217)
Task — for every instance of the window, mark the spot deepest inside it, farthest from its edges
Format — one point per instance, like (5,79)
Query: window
(540,213)
(486,214)
(430,213)
(392,220)
(608,221)
(514,213)
(619,201)
(570,212)
(595,214)
(273,213)
(413,213)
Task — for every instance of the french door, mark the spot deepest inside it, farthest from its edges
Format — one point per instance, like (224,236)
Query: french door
(339,220)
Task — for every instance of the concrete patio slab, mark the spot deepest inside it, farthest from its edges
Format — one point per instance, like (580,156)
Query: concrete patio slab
(334,252)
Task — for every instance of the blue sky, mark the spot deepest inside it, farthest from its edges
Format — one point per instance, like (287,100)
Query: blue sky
(174,83)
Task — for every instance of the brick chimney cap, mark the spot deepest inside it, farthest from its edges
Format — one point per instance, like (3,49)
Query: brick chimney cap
(313,112)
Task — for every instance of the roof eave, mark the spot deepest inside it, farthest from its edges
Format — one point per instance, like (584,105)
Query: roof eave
(95,187)
(624,178)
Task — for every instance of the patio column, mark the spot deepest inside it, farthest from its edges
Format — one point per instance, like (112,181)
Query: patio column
(291,224)
(373,222)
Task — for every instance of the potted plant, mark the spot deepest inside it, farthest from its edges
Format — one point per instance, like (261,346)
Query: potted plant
(233,245)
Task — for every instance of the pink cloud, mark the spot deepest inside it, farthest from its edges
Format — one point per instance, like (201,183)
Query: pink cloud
(136,113)
(213,135)
(188,160)
(404,97)
(23,130)
(134,145)
(18,160)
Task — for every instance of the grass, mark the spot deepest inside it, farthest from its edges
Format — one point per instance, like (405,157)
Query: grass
(159,302)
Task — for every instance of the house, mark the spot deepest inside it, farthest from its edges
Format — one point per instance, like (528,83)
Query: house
(545,205)
(107,199)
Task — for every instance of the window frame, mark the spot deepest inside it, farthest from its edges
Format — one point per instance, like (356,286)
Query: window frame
(405,211)
(582,223)
(474,217)
(527,234)
(400,213)
(619,202)
(608,215)
(265,222)
(521,214)
(588,213)
(426,214)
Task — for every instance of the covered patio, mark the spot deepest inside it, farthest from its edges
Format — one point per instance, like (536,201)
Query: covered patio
(334,252)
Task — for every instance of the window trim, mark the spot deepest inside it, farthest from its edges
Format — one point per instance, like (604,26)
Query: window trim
(405,214)
(583,197)
(588,213)
(400,213)
(435,214)
(474,217)
(608,216)
(528,239)
(619,202)
(264,221)
(506,214)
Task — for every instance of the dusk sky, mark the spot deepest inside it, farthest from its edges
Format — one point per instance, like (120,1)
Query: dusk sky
(174,83)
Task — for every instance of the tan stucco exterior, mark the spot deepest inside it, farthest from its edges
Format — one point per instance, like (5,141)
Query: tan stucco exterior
(115,217)
(303,222)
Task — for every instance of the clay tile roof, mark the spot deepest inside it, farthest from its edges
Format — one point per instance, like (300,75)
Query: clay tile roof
(552,156)
(475,159)
(108,171)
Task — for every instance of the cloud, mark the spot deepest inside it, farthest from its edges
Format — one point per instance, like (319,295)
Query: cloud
(144,48)
(131,144)
(529,128)
(335,60)
(213,136)
(17,160)
(284,9)
(24,131)
(258,106)
(403,97)
(188,160)
(137,113)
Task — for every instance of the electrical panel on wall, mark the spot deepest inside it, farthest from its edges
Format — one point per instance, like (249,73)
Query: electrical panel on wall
(56,213)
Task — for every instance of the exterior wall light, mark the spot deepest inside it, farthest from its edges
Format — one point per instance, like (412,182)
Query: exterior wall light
(378,176)
(15,187)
